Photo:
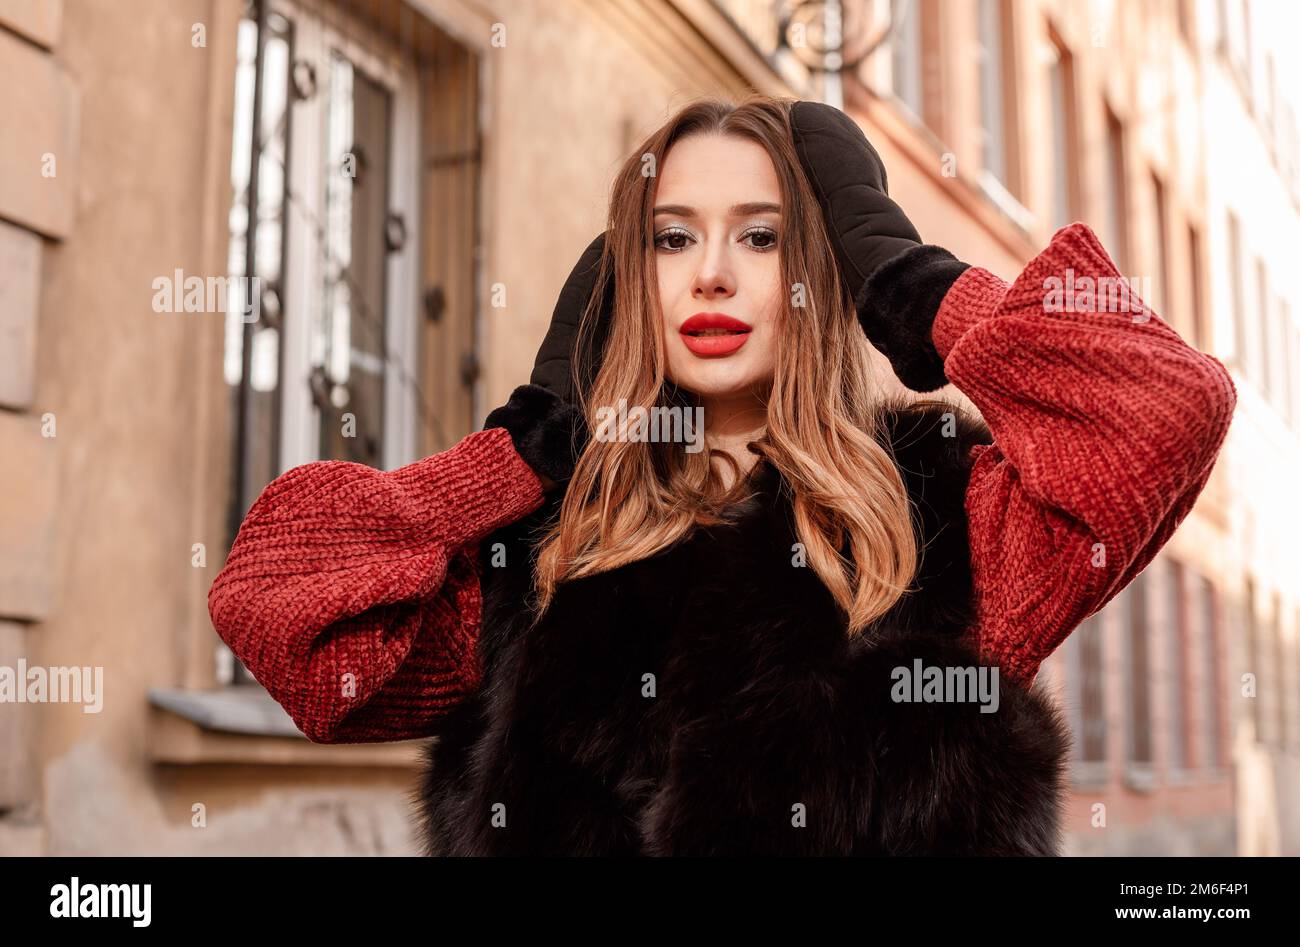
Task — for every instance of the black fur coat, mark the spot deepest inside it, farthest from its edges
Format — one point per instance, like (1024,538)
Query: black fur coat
(707,701)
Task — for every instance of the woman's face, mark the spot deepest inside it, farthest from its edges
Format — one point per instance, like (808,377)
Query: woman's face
(717,224)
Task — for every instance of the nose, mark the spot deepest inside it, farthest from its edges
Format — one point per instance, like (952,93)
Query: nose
(716,276)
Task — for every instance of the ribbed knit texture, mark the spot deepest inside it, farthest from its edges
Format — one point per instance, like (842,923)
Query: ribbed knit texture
(1105,428)
(352,594)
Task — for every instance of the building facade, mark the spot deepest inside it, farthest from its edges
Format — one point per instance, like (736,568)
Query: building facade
(423,175)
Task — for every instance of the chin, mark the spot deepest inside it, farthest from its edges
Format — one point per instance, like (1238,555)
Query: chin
(717,381)
(747,370)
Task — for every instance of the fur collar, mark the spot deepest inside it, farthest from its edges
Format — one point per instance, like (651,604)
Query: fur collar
(707,700)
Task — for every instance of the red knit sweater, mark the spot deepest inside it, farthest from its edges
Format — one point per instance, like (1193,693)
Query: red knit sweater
(353,595)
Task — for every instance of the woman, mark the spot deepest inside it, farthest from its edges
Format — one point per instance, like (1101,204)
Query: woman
(813,630)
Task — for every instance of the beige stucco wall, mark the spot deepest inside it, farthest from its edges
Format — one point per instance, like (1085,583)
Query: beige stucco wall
(138,464)
(572,91)
(98,522)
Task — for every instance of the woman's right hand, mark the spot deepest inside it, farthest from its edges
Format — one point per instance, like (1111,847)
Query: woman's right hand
(544,417)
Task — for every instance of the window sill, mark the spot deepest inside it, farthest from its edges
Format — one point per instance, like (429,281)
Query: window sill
(1140,777)
(916,123)
(243,724)
(1006,202)
(1089,777)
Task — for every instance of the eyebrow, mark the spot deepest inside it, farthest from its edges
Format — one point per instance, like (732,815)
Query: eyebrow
(737,210)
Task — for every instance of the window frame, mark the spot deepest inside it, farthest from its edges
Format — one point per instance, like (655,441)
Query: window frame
(296,425)
(1237,290)
(1115,194)
(992,85)
(1085,771)
(1065,130)
(1177,676)
(1212,726)
(915,69)
(1139,772)
(1263,349)
(304,276)
(1201,334)
(1254,653)
(1277,683)
(1160,211)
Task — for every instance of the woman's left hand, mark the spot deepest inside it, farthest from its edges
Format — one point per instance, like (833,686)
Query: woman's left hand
(897,282)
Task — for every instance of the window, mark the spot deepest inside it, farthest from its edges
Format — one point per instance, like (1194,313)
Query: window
(253,362)
(1269,118)
(1289,160)
(1253,652)
(1263,354)
(906,50)
(1280,351)
(1137,680)
(1115,195)
(326,369)
(1276,677)
(1247,61)
(1200,330)
(1159,211)
(1235,42)
(338,161)
(1295,667)
(1212,733)
(1064,135)
(1238,277)
(996,86)
(1294,347)
(1177,679)
(1186,17)
(348,346)
(1085,692)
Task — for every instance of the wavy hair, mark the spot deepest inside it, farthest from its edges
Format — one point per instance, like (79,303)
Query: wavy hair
(629,499)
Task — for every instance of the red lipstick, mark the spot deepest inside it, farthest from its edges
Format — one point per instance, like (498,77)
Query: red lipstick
(714,333)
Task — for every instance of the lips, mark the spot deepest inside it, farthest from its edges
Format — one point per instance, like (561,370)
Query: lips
(714,333)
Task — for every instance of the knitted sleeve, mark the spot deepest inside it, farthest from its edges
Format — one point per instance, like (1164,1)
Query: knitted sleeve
(352,595)
(1106,426)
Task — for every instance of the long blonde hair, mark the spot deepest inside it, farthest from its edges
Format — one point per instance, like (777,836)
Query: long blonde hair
(629,499)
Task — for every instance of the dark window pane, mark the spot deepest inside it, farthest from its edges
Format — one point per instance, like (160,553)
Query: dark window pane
(1091,690)
(905,45)
(1116,222)
(1253,652)
(1061,81)
(1176,632)
(1213,675)
(1138,672)
(254,308)
(992,114)
(352,332)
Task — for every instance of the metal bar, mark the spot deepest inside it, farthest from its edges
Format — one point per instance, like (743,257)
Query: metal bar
(250,272)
